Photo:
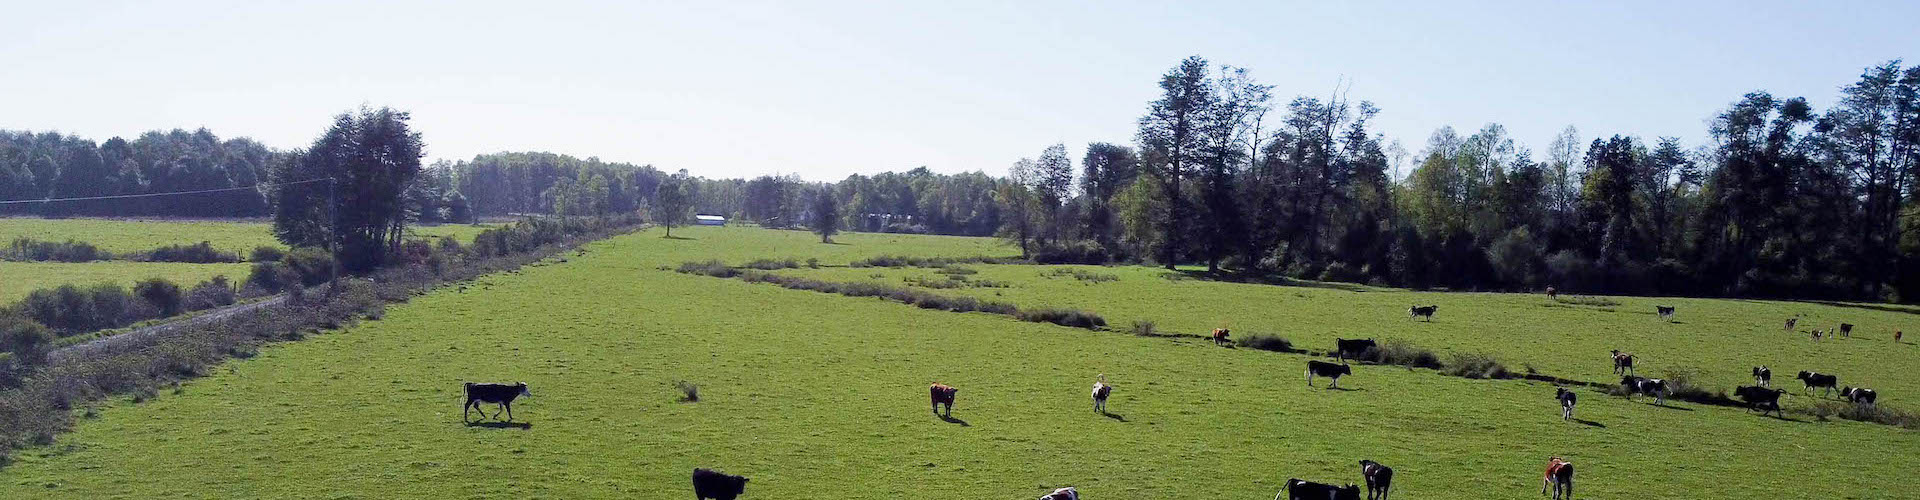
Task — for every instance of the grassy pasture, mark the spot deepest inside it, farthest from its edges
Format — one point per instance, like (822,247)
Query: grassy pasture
(821,396)
(1723,339)
(122,236)
(19,278)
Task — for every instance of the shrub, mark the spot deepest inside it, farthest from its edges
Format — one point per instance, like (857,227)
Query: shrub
(272,277)
(925,282)
(1083,275)
(25,339)
(1400,352)
(163,295)
(772,264)
(1865,413)
(266,254)
(1684,384)
(448,245)
(70,309)
(1274,343)
(1475,366)
(1143,328)
(313,265)
(1063,317)
(957,270)
(813,263)
(1075,252)
(68,251)
(713,268)
(905,261)
(197,253)
(211,293)
(689,393)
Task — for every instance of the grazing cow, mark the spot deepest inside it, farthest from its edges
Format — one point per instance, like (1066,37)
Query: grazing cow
(1100,392)
(1420,311)
(1760,398)
(1559,476)
(1066,493)
(1552,294)
(1352,348)
(942,394)
(499,394)
(1846,330)
(1325,369)
(1379,479)
(1220,336)
(1859,395)
(1896,336)
(1299,489)
(1817,379)
(1648,386)
(1666,312)
(1762,376)
(1816,335)
(1567,399)
(1791,322)
(711,484)
(1622,363)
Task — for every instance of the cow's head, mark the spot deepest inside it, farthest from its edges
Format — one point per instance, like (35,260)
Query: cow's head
(523,389)
(1804,375)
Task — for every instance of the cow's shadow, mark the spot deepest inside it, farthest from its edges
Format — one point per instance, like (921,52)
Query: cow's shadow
(1589,423)
(1670,407)
(949,419)
(495,424)
(1342,389)
(1114,416)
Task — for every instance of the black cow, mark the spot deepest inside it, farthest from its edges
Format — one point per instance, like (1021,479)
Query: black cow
(1666,312)
(1791,322)
(1354,348)
(1567,400)
(1325,369)
(1763,376)
(1622,363)
(1760,398)
(499,394)
(1859,395)
(1817,379)
(1648,386)
(1846,330)
(942,394)
(1379,479)
(1299,489)
(712,484)
(1419,311)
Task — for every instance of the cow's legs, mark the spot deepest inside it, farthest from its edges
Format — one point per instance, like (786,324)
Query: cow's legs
(464,408)
(1309,377)
(509,407)
(1336,383)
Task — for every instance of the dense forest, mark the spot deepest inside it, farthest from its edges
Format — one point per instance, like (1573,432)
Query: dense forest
(1780,200)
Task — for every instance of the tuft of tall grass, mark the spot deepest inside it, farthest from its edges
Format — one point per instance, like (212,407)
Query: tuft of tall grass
(689,392)
(1475,366)
(1264,342)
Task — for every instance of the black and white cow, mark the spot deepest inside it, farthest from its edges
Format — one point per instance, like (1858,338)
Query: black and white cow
(1353,348)
(1067,493)
(1379,479)
(1859,395)
(1791,322)
(1100,392)
(1812,380)
(1666,312)
(1325,369)
(1567,400)
(1421,311)
(1648,386)
(1762,376)
(711,484)
(1759,398)
(499,394)
(1300,489)
(1622,363)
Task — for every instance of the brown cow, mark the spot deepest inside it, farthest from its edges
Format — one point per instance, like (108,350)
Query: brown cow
(1553,294)
(942,394)
(1559,476)
(1220,336)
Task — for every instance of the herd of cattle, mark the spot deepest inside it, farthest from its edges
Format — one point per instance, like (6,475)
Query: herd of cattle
(1378,478)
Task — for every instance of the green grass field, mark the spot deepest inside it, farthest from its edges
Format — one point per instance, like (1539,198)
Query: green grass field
(127,236)
(19,278)
(823,396)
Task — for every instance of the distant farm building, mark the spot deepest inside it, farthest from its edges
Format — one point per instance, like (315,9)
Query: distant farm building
(709,220)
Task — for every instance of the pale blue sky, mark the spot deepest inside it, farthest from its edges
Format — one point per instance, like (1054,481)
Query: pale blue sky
(824,90)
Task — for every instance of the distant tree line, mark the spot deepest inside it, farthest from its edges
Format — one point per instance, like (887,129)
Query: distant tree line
(45,165)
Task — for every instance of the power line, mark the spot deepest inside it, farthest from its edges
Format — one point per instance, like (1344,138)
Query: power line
(149,195)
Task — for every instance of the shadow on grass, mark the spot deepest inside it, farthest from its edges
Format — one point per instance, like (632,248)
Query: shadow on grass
(1342,389)
(1875,307)
(500,425)
(949,419)
(1115,416)
(1589,423)
(1670,407)
(1268,279)
(677,238)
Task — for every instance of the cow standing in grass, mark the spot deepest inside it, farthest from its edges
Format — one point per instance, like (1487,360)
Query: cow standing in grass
(1100,392)
(1421,311)
(1567,400)
(499,394)
(1553,294)
(1329,370)
(1622,363)
(1353,348)
(1859,395)
(1896,336)
(1791,322)
(711,484)
(1220,336)
(942,395)
(1379,479)
(1762,376)
(1811,380)
(1559,476)
(1666,313)
(1067,493)
(1760,398)
(1648,386)
(1300,489)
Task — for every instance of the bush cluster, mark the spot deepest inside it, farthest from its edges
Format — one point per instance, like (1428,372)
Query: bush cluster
(197,253)
(1082,275)
(1274,343)
(28,249)
(938,262)
(1476,366)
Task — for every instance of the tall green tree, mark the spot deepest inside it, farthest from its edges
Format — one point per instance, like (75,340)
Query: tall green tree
(826,214)
(1172,138)
(673,202)
(371,157)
